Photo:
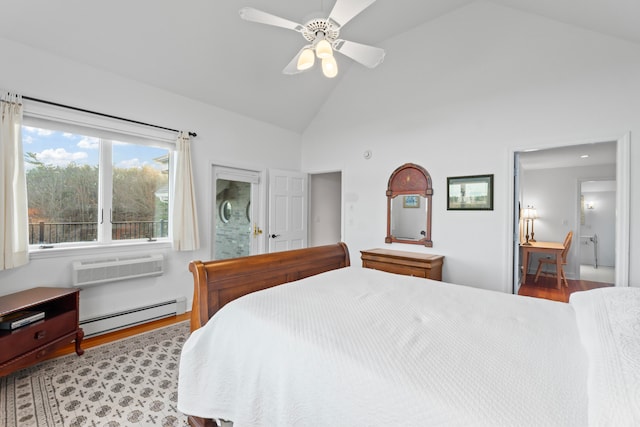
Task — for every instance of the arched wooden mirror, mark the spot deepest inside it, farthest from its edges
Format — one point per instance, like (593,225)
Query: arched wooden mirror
(409,206)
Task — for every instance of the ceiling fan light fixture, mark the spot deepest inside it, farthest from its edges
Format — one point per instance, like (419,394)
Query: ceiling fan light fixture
(329,67)
(306,60)
(323,49)
(323,38)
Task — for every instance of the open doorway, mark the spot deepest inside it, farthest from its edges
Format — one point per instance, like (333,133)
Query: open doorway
(236,213)
(596,243)
(325,208)
(550,181)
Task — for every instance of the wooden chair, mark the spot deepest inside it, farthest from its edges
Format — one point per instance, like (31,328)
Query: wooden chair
(552,261)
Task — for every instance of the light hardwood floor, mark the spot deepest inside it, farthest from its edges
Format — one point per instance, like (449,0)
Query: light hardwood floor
(123,333)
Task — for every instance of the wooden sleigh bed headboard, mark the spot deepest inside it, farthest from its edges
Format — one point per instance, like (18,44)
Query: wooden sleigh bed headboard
(219,282)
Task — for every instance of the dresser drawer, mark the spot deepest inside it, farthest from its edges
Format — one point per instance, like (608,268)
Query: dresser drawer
(37,334)
(408,263)
(396,268)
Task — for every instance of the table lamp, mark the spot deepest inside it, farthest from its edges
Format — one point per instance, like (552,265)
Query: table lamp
(529,214)
(534,215)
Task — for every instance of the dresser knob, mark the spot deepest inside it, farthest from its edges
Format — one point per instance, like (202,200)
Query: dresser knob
(40,334)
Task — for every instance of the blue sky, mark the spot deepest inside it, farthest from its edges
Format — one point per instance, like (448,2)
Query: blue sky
(60,148)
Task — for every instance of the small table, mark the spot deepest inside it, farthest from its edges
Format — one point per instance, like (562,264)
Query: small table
(554,248)
(33,342)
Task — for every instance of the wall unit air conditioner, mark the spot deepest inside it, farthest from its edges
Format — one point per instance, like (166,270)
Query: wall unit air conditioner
(105,270)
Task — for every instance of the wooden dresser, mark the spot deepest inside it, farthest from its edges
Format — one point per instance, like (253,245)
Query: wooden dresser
(407,263)
(29,344)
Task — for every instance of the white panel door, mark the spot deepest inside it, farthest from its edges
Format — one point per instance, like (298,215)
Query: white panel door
(287,210)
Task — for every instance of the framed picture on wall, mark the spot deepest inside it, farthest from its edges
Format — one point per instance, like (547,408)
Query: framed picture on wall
(470,193)
(411,201)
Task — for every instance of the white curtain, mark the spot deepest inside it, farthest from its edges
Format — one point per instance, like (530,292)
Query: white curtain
(185,222)
(14,231)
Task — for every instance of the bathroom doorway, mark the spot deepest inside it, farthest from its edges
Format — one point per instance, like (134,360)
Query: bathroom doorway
(596,243)
(235,219)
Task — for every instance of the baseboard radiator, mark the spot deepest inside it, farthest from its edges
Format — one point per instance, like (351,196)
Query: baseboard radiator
(113,269)
(127,318)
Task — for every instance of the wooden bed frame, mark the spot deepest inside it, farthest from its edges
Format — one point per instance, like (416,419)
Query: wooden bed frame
(218,282)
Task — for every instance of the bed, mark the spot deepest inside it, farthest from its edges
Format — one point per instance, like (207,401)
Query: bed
(301,338)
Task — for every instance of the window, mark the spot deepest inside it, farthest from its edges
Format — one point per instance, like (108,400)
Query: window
(94,185)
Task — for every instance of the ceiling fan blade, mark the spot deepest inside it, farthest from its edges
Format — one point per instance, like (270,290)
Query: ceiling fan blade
(345,10)
(292,67)
(255,15)
(368,56)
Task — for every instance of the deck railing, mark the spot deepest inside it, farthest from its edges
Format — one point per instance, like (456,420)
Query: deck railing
(64,232)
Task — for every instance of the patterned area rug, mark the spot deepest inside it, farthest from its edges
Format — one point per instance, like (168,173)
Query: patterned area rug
(131,382)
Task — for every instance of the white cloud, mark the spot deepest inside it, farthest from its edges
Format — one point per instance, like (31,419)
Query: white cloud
(89,142)
(131,164)
(137,164)
(60,156)
(38,131)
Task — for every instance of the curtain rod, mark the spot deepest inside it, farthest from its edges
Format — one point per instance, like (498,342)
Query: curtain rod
(193,134)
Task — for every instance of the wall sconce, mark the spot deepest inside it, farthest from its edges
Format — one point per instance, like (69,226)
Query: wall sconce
(529,214)
(589,205)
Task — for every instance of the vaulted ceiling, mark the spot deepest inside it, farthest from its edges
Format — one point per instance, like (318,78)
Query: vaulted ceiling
(201,49)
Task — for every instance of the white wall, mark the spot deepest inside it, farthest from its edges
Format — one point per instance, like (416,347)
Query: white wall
(555,193)
(458,95)
(223,138)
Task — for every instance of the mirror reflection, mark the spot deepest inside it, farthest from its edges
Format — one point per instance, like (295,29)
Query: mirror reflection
(409,217)
(409,206)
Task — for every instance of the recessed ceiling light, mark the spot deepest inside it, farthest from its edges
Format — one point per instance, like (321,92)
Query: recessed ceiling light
(584,156)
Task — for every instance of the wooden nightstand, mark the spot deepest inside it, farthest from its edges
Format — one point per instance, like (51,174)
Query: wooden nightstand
(29,344)
(407,263)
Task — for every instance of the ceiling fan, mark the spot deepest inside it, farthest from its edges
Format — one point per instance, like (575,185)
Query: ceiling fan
(322,36)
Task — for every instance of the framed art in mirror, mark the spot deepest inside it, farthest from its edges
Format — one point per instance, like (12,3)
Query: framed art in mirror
(411,201)
(409,194)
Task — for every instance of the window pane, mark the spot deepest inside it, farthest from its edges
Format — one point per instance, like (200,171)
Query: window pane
(62,186)
(140,192)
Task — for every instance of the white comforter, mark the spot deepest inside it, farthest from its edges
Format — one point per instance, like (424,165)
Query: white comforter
(609,324)
(360,347)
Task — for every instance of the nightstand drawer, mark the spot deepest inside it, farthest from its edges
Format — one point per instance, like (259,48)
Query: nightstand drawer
(30,344)
(39,333)
(35,356)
